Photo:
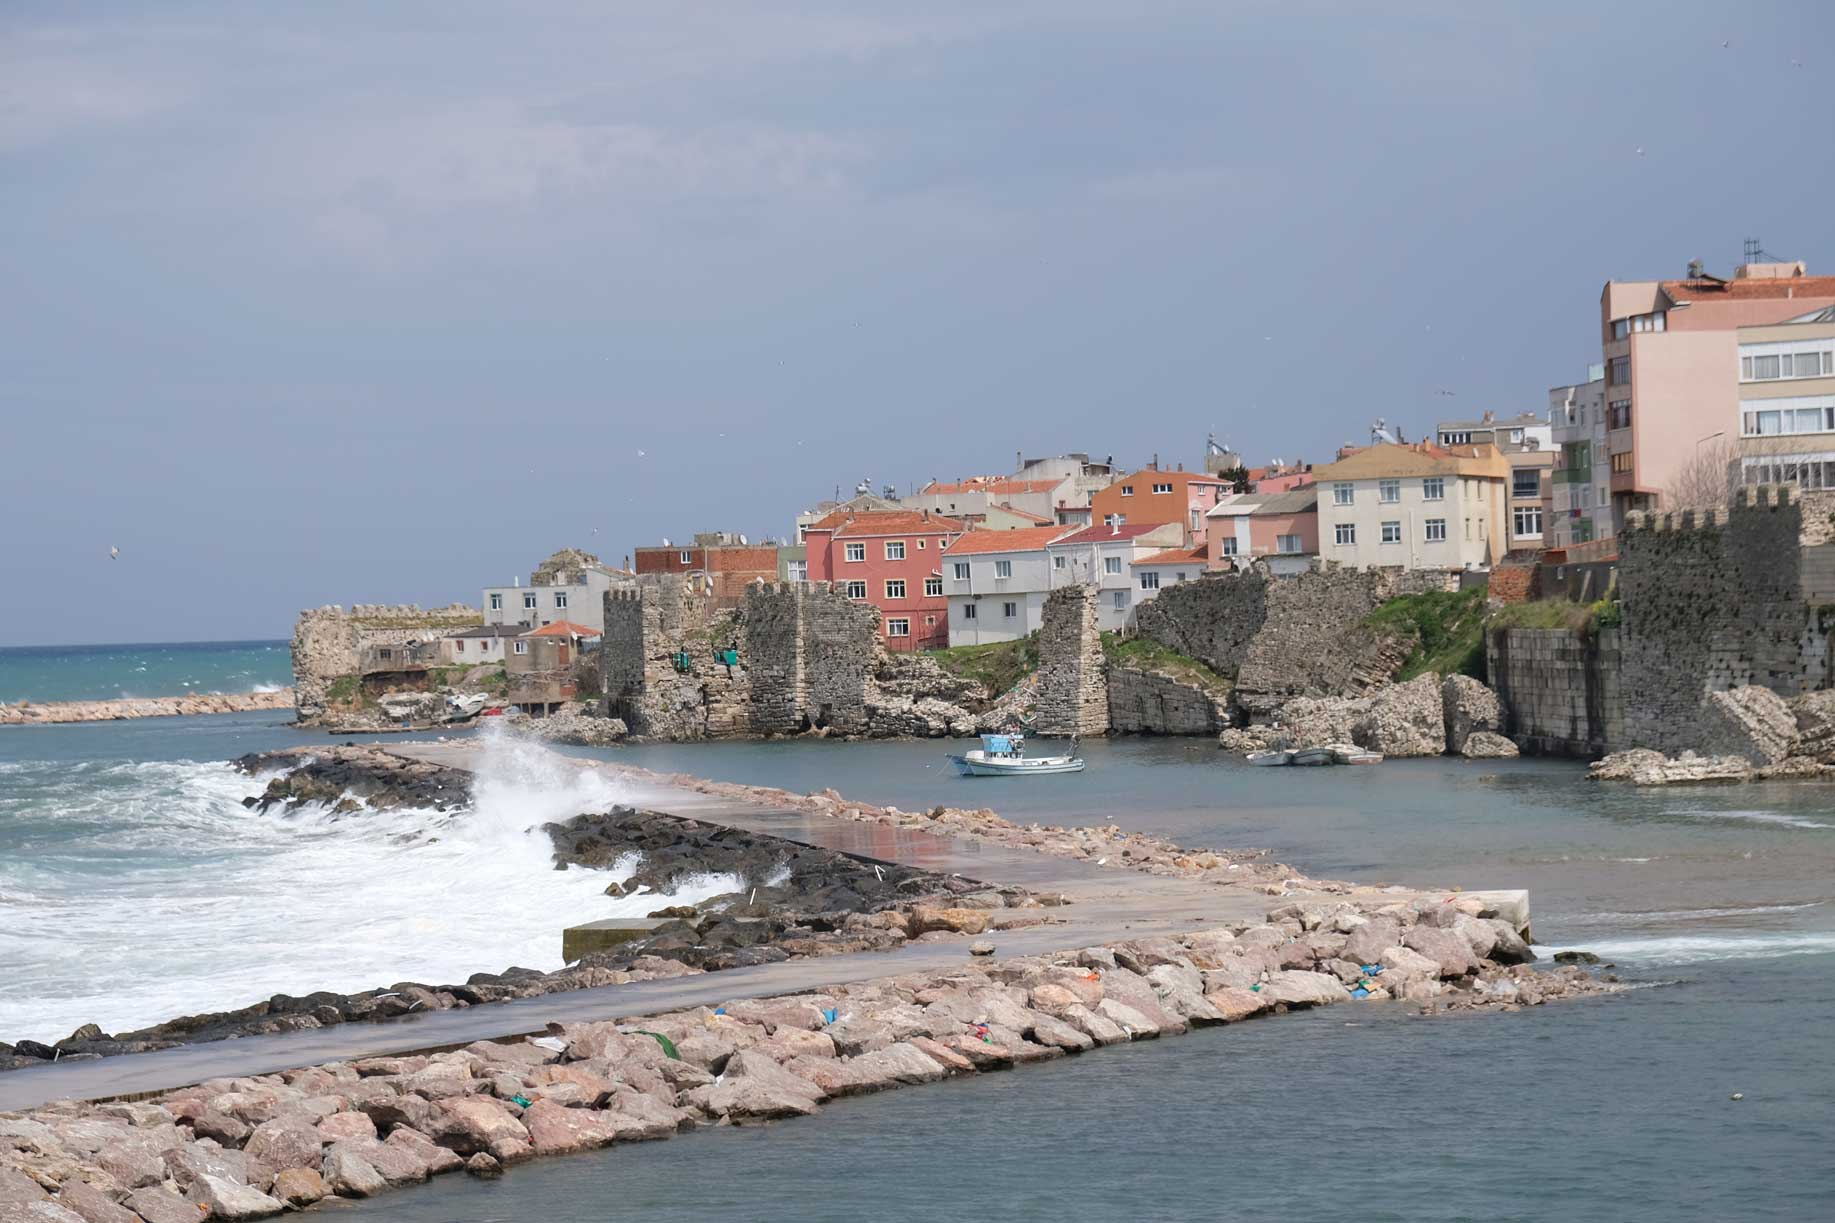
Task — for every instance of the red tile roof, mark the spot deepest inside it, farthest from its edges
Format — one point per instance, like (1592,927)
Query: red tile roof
(888,522)
(1038,518)
(1177,556)
(563,628)
(1099,533)
(1749,290)
(1025,539)
(1000,485)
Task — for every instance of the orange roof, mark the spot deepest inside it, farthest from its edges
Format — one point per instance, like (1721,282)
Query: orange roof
(1025,539)
(887,522)
(1038,518)
(563,628)
(1177,556)
(1749,290)
(991,484)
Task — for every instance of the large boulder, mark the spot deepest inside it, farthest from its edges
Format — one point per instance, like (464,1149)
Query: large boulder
(1815,715)
(1468,706)
(1752,723)
(1486,745)
(1406,719)
(1643,767)
(754,1086)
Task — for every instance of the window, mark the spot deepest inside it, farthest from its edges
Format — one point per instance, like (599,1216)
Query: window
(528,601)
(933,587)
(1764,366)
(1178,577)
(895,549)
(1163,488)
(522,647)
(1526,482)
(930,621)
(1392,532)
(895,588)
(1456,437)
(1621,462)
(1618,414)
(856,590)
(1229,546)
(1818,472)
(1150,579)
(797,571)
(458,647)
(1003,569)
(1637,323)
(1516,435)
(920,545)
(1618,371)
(1009,610)
(685,556)
(1433,488)
(1119,600)
(1527,521)
(898,628)
(854,552)
(1389,491)
(962,571)
(385,652)
(1342,493)
(1436,531)
(1058,562)
(1127,490)
(1114,520)
(1197,521)
(560,600)
(1790,416)
(1289,545)
(1345,534)
(1111,565)
(496,602)
(969,611)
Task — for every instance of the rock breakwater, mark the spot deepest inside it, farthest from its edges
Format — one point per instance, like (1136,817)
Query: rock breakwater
(49,713)
(254,1147)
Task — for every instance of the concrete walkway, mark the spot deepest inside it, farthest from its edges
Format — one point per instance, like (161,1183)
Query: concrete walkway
(1105,905)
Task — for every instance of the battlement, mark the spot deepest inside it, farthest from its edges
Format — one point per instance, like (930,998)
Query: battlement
(1747,499)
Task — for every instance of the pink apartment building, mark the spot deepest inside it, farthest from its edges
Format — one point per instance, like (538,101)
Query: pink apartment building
(892,559)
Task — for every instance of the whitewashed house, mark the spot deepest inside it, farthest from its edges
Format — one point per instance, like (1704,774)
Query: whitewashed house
(997,582)
(1104,556)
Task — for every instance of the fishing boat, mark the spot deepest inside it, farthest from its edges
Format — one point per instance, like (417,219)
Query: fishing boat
(1270,757)
(1314,755)
(1350,753)
(1005,756)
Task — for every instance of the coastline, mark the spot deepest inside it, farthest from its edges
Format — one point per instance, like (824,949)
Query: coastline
(56,713)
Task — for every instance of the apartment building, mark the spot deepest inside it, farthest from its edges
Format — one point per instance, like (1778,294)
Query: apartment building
(892,559)
(571,591)
(997,582)
(1416,506)
(1156,497)
(1580,483)
(1734,364)
(1281,529)
(1104,557)
(729,561)
(1527,440)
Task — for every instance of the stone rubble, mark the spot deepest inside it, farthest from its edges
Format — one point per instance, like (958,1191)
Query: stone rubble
(1642,766)
(47,713)
(358,1128)
(1425,716)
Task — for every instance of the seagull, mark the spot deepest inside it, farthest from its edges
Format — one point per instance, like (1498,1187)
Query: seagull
(1726,42)
(1796,63)
(114,554)
(640,454)
(1445,392)
(1640,150)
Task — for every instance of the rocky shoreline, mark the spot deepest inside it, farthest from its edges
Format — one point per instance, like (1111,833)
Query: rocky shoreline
(253,1147)
(50,713)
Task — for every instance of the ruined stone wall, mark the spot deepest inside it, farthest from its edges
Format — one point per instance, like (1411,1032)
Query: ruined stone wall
(1712,600)
(1212,620)
(839,639)
(1147,702)
(1073,693)
(1559,689)
(1313,642)
(645,627)
(328,643)
(774,653)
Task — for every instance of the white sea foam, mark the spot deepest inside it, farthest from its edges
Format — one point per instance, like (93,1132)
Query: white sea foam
(1756,817)
(1673,915)
(1699,948)
(147,891)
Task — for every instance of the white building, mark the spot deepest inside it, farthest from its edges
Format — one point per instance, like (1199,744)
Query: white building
(1581,508)
(997,582)
(1174,567)
(577,594)
(1415,507)
(1104,557)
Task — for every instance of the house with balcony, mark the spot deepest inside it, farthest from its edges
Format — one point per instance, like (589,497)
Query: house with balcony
(893,560)
(1152,497)
(1527,440)
(997,582)
(1414,506)
(1104,557)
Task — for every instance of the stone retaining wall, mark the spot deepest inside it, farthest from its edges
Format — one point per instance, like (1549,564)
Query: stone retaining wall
(1148,702)
(1560,689)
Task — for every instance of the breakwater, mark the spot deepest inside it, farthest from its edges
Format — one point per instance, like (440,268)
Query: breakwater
(47,713)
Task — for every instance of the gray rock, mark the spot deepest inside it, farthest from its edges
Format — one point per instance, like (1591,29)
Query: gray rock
(1483,745)
(349,1175)
(1298,988)
(1752,723)
(45,1211)
(229,1199)
(1450,952)
(484,1167)
(299,1187)
(157,1204)
(1406,719)
(754,1086)
(17,1187)
(1469,706)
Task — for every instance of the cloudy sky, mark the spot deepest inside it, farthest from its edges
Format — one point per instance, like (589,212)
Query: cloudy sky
(342,302)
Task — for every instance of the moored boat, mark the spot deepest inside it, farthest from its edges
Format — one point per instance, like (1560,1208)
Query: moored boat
(1272,756)
(1005,756)
(1350,753)
(1314,755)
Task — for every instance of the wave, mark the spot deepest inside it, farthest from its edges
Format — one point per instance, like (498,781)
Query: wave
(1696,914)
(227,905)
(1700,948)
(1752,816)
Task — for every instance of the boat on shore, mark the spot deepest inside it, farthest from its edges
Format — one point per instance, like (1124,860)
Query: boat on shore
(1005,756)
(1324,753)
(1350,753)
(1271,757)
(1314,755)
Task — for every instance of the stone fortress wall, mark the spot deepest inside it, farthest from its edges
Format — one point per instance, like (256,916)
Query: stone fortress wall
(329,642)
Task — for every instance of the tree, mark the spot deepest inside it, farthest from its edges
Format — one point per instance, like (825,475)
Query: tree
(1236,477)
(1705,479)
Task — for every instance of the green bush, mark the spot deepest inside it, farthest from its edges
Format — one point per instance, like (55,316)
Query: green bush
(996,666)
(1449,630)
(1149,655)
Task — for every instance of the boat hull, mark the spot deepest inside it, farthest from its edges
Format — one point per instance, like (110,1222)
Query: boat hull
(974,764)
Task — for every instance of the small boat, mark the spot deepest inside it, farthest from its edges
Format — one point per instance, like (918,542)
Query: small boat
(1272,756)
(1314,755)
(1005,756)
(1350,753)
(465,708)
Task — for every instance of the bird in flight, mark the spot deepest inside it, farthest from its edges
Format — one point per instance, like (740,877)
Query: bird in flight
(114,554)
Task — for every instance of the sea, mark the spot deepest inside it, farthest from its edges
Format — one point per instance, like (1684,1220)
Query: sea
(135,886)
(112,672)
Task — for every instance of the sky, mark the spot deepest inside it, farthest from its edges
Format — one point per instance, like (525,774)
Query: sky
(341,302)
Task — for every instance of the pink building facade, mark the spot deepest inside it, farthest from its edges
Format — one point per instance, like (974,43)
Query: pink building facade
(893,560)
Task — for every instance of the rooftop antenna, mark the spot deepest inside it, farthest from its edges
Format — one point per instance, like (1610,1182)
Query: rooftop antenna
(1753,250)
(1379,432)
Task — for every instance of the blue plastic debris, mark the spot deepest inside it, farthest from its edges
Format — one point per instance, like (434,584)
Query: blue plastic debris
(828,1014)
(1371,970)
(719,1010)
(1360,992)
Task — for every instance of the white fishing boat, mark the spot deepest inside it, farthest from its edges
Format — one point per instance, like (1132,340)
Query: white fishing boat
(1005,756)
(465,708)
(1270,757)
(1350,753)
(1314,755)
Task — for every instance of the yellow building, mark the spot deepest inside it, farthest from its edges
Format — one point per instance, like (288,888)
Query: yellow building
(1416,506)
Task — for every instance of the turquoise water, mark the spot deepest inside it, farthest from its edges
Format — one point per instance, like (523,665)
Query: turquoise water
(108,672)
